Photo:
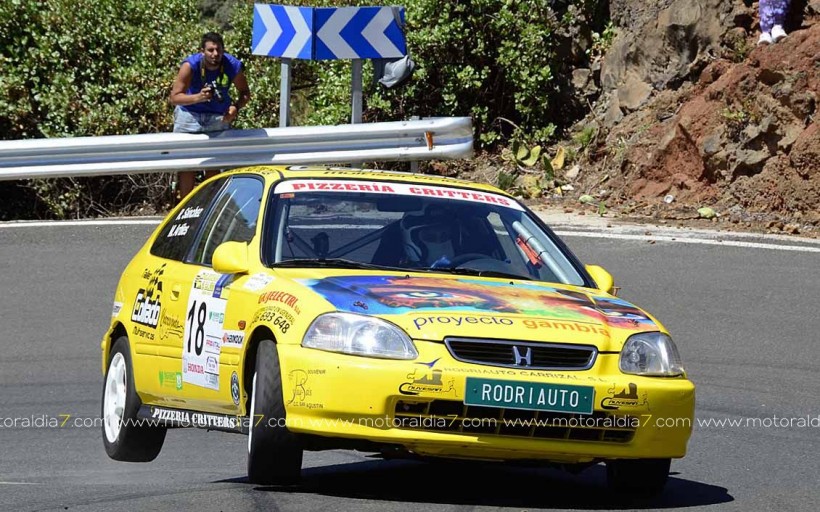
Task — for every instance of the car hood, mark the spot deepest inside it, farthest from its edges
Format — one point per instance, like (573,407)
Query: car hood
(436,307)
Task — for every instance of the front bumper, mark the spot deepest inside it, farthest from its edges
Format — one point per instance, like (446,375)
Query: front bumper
(420,406)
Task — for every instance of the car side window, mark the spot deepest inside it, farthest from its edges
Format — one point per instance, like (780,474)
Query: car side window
(176,236)
(232,219)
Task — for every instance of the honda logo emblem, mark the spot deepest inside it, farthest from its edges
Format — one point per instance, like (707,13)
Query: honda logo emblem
(524,359)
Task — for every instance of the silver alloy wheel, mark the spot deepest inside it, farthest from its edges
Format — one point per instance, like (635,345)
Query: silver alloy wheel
(253,411)
(115,392)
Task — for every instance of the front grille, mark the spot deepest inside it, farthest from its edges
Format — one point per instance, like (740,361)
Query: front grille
(515,354)
(456,417)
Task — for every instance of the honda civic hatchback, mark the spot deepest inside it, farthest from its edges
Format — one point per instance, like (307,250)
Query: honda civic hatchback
(406,315)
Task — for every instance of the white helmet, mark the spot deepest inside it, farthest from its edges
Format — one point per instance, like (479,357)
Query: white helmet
(427,237)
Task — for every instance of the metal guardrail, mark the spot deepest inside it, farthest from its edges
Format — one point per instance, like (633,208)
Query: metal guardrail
(442,138)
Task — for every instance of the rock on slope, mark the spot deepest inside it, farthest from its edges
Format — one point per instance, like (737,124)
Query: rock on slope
(693,112)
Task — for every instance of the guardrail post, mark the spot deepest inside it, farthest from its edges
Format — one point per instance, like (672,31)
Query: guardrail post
(414,165)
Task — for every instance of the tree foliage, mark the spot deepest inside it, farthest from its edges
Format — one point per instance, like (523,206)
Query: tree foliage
(101,67)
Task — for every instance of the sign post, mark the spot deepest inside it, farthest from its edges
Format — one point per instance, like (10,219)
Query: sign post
(284,94)
(327,33)
(356,91)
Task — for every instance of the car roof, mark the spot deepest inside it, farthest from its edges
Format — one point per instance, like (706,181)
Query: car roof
(277,172)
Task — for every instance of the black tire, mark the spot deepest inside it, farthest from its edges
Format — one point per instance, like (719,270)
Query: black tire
(639,478)
(131,442)
(274,453)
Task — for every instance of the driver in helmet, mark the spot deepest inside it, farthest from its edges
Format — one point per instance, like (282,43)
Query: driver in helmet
(428,238)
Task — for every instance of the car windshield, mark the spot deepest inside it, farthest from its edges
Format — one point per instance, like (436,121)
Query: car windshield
(385,225)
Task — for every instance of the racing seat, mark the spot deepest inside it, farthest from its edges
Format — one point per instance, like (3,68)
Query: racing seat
(429,236)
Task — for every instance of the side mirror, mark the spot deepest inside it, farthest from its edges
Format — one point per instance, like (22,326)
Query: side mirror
(231,258)
(603,279)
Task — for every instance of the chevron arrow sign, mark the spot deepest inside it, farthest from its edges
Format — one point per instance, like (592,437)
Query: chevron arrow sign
(359,33)
(326,33)
(282,31)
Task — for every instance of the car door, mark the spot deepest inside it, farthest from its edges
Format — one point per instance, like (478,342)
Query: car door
(159,307)
(208,363)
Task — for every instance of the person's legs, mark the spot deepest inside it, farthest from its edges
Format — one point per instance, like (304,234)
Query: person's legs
(214,125)
(185,122)
(186,181)
(772,18)
(781,12)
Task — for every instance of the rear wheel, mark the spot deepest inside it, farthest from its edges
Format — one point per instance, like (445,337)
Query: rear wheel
(642,478)
(274,453)
(123,437)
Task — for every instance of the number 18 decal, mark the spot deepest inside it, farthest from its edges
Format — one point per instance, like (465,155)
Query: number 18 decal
(202,342)
(199,333)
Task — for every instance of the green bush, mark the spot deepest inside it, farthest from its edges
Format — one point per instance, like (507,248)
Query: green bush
(87,68)
(487,59)
(101,67)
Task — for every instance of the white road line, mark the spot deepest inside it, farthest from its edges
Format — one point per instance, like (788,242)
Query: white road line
(19,483)
(63,223)
(679,239)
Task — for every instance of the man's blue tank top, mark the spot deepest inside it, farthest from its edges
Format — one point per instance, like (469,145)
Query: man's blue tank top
(231,66)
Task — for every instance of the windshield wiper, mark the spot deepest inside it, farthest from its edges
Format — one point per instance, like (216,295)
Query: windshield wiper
(330,263)
(480,273)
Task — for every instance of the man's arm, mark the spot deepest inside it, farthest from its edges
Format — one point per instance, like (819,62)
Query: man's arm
(244,91)
(181,84)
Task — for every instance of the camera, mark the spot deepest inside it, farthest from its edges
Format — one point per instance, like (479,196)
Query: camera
(217,93)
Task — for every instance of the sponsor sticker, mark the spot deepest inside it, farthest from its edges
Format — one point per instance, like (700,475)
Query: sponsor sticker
(221,283)
(170,326)
(426,379)
(458,320)
(405,189)
(233,338)
(257,282)
(202,340)
(281,297)
(194,419)
(625,397)
(235,388)
(170,380)
(301,392)
(147,304)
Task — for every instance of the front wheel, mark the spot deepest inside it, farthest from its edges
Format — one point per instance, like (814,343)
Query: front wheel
(124,436)
(274,453)
(641,478)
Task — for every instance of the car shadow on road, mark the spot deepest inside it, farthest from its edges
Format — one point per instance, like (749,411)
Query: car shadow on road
(488,484)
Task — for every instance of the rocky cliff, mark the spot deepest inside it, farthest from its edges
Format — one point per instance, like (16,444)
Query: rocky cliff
(689,112)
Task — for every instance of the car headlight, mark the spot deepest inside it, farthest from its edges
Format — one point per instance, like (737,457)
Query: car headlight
(651,353)
(360,336)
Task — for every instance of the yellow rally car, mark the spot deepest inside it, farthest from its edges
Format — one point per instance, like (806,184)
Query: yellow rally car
(395,313)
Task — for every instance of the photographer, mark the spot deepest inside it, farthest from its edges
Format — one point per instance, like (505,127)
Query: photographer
(201,95)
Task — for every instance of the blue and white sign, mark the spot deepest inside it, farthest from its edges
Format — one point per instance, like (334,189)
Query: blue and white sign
(324,33)
(359,33)
(282,31)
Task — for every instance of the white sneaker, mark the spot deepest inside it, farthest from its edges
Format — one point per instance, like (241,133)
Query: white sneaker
(777,33)
(765,38)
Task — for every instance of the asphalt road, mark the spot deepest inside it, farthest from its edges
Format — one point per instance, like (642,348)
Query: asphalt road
(744,315)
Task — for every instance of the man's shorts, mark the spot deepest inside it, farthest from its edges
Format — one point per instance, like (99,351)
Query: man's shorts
(195,122)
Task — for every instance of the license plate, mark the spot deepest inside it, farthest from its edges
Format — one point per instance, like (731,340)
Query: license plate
(529,395)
